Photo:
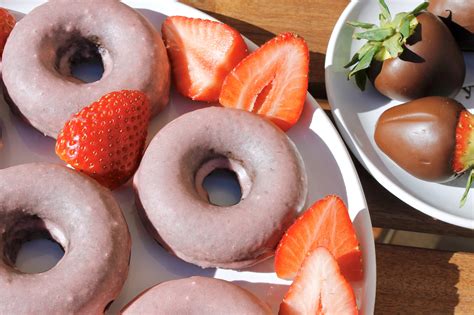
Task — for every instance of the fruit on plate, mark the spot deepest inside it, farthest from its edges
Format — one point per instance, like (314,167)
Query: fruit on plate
(319,288)
(326,223)
(409,56)
(202,53)
(272,81)
(106,139)
(431,138)
(7,22)
(458,15)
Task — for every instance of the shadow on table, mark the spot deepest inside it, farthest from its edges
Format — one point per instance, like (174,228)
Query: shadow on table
(415,281)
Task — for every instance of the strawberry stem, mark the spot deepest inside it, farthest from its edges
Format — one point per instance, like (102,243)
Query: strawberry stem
(384,42)
(470,180)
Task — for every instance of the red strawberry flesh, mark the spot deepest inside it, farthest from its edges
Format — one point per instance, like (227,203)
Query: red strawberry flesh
(464,150)
(319,288)
(7,22)
(106,139)
(272,81)
(202,53)
(326,223)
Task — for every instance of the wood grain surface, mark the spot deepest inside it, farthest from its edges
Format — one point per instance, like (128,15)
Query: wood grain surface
(421,281)
(409,280)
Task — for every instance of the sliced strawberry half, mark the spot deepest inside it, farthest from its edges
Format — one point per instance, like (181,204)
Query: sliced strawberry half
(326,223)
(319,288)
(272,81)
(202,53)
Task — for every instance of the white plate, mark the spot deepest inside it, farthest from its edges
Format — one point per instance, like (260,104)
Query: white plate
(356,114)
(329,167)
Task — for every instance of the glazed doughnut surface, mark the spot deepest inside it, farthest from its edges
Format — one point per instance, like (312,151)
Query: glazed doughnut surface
(41,48)
(52,201)
(196,295)
(174,206)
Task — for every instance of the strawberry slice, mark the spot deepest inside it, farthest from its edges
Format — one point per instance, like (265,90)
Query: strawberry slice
(202,53)
(7,22)
(106,139)
(326,223)
(272,81)
(319,288)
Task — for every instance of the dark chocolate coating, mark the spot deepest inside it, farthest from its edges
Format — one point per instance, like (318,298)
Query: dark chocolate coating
(431,65)
(420,136)
(458,15)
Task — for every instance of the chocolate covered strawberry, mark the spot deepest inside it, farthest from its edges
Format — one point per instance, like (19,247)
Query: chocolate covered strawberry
(408,56)
(106,139)
(431,138)
(458,15)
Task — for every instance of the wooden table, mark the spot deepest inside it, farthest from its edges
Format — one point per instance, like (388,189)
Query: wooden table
(409,280)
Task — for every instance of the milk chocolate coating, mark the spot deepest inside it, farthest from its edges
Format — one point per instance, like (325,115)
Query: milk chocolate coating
(175,208)
(39,52)
(196,295)
(420,136)
(431,64)
(458,15)
(51,201)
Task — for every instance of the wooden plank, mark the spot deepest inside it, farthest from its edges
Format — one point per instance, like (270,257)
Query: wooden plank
(421,281)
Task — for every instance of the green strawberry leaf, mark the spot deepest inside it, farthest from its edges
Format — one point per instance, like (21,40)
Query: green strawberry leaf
(470,180)
(385,16)
(365,60)
(359,54)
(394,45)
(421,7)
(384,42)
(361,79)
(405,27)
(375,34)
(361,24)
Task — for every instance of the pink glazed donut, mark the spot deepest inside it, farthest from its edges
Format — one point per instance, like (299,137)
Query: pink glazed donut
(51,201)
(175,207)
(41,48)
(196,295)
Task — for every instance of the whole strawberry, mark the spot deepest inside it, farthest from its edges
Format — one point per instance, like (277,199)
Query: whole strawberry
(7,22)
(431,138)
(106,139)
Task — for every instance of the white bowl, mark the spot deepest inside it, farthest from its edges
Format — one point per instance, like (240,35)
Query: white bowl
(356,114)
(329,167)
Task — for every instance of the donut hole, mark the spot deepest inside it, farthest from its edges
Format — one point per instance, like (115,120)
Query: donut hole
(222,187)
(30,247)
(222,181)
(81,58)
